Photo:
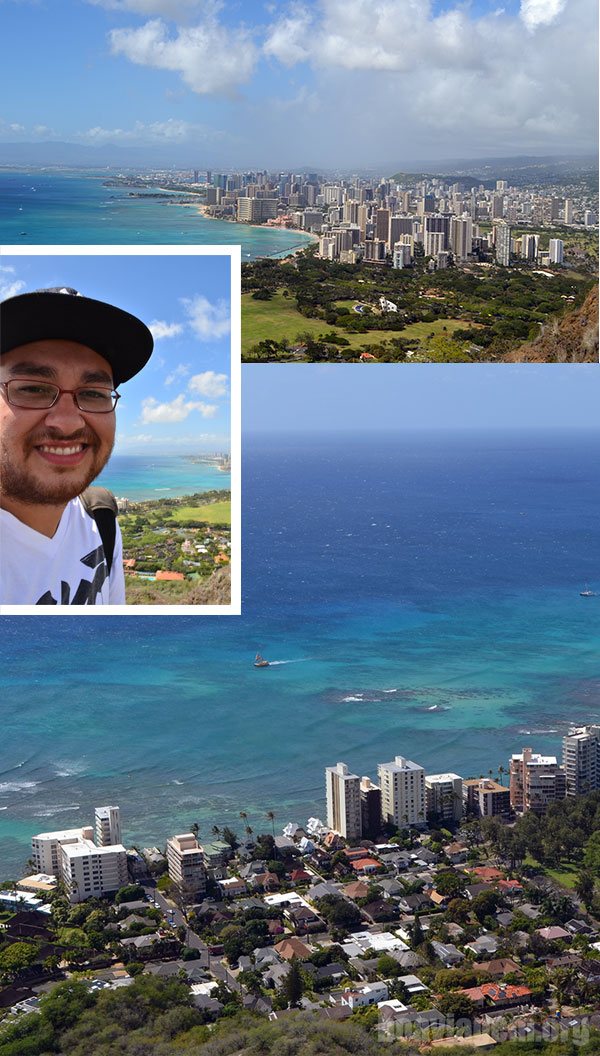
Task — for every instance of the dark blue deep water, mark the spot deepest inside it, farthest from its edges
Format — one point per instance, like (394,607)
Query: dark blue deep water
(417,596)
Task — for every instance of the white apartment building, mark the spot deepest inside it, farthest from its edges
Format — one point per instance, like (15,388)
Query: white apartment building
(108,826)
(402,792)
(185,858)
(502,231)
(556,250)
(343,801)
(89,871)
(444,796)
(45,848)
(581,760)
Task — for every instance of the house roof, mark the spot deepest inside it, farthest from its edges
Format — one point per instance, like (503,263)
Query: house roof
(292,947)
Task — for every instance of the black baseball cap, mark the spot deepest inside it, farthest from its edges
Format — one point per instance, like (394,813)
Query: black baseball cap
(64,313)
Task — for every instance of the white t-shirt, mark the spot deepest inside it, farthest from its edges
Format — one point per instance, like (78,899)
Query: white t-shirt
(68,569)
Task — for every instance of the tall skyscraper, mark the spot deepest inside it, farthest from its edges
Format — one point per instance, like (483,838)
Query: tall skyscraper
(581,760)
(108,826)
(402,792)
(502,244)
(556,249)
(568,211)
(529,246)
(461,236)
(370,808)
(343,801)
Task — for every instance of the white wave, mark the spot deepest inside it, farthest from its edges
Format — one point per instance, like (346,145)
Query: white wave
(389,690)
(176,782)
(49,812)
(18,786)
(69,769)
(348,700)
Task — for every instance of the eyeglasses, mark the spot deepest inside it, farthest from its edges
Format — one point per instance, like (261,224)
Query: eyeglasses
(41,396)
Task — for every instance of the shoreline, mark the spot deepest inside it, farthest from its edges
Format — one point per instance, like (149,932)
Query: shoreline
(202,211)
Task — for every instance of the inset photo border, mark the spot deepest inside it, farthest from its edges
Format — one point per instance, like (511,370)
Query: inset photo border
(175,468)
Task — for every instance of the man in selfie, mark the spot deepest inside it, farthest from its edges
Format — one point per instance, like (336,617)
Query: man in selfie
(62,355)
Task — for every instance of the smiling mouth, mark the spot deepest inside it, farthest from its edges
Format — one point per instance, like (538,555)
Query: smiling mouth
(70,454)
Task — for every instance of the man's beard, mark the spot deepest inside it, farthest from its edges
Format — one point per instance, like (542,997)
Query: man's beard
(21,484)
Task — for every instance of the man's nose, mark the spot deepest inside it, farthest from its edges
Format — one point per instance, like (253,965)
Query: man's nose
(65,414)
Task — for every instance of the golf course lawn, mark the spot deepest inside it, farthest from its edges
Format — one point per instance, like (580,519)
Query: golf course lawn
(279,320)
(212,513)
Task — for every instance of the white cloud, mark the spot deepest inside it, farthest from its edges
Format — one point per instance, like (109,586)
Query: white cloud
(175,411)
(209,57)
(160,329)
(181,371)
(287,40)
(9,286)
(168,131)
(209,384)
(207,321)
(398,77)
(536,13)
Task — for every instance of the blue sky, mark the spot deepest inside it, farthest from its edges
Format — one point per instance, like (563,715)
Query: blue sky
(179,403)
(420,398)
(356,83)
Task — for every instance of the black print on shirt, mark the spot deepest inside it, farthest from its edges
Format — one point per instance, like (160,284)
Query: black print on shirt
(87,591)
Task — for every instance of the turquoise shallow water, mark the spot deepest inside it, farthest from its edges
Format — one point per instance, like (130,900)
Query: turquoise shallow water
(136,477)
(75,208)
(416,597)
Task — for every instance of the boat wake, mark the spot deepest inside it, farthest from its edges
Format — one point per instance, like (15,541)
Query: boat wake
(279,663)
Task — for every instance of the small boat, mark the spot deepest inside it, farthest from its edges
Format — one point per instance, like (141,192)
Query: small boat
(260,661)
(587,593)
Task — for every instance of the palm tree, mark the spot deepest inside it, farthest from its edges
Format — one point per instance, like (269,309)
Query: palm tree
(215,831)
(195,828)
(271,817)
(501,773)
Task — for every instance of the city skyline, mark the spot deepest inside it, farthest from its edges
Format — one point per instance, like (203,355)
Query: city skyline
(311,84)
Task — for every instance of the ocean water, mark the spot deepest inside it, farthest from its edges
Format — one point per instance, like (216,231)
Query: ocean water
(46,207)
(416,596)
(138,477)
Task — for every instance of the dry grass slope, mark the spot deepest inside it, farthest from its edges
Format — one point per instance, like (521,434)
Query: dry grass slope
(573,338)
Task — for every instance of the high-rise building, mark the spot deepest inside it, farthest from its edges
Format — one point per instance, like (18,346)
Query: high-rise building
(568,211)
(89,871)
(343,801)
(556,250)
(444,796)
(370,808)
(402,792)
(402,254)
(45,848)
(461,236)
(486,798)
(434,242)
(185,859)
(581,760)
(497,206)
(382,224)
(535,781)
(502,230)
(530,246)
(108,826)
(426,204)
